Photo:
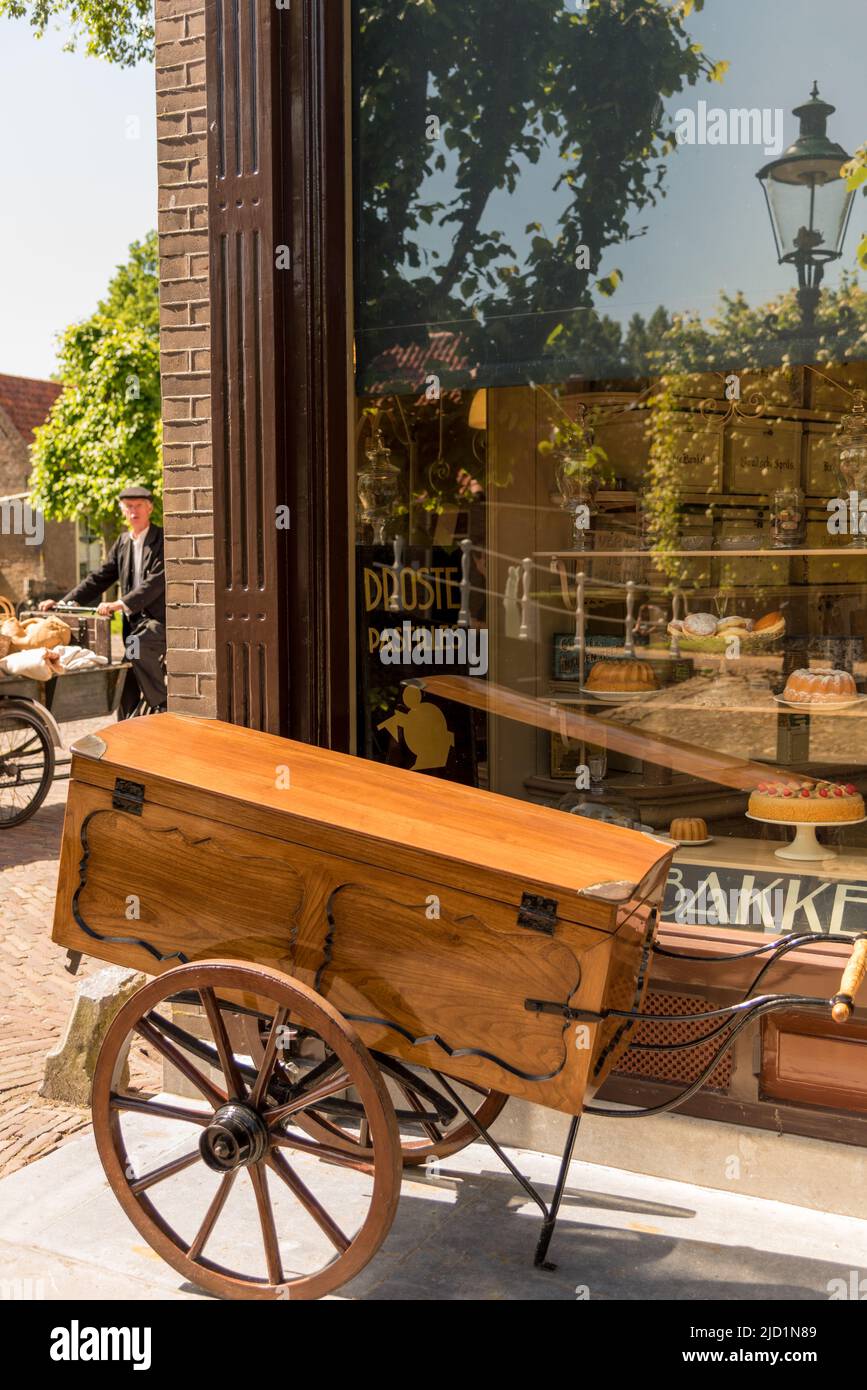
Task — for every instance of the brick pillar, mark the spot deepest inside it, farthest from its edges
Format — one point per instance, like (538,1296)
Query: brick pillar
(185,338)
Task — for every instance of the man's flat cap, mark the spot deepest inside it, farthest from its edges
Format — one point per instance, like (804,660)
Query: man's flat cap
(143,493)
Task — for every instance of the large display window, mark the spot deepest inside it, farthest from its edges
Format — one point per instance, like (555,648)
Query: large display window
(611,440)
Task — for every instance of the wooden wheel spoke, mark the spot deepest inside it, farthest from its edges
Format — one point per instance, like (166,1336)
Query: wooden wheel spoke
(166,1170)
(277,1162)
(330,1090)
(211,1215)
(266,1221)
(267,1064)
(430,1129)
(303,1102)
(183,1064)
(160,1108)
(236,1087)
(341,1157)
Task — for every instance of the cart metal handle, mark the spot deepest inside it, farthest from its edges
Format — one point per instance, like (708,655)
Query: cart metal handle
(853,977)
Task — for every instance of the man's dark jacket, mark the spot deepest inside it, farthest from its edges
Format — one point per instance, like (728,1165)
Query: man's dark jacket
(146,621)
(147,602)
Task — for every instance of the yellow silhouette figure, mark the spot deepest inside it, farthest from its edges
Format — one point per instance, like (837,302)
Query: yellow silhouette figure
(425,731)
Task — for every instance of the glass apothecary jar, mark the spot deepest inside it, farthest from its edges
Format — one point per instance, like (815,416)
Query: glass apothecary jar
(788,518)
(378,487)
(852,471)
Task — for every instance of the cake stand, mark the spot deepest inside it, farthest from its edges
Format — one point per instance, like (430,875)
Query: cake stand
(805,847)
(617,697)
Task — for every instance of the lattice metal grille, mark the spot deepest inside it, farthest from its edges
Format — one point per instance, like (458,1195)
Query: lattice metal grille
(681,1067)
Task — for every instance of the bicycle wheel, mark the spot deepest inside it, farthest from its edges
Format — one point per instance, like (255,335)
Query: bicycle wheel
(26,765)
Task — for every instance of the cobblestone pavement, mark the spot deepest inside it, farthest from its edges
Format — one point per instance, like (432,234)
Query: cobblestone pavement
(36,990)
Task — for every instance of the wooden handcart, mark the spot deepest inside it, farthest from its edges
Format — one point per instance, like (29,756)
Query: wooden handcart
(354,968)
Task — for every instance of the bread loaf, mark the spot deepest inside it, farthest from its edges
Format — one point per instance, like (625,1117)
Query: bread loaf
(43,632)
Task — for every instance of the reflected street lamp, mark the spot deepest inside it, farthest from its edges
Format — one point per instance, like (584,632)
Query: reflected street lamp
(809,202)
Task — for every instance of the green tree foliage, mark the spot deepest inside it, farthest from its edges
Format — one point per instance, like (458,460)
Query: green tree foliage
(856,174)
(133,297)
(121,31)
(104,431)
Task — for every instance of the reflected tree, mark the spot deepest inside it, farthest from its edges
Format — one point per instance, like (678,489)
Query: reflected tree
(453,102)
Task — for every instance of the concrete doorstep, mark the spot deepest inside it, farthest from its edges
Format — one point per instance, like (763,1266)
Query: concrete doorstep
(464,1230)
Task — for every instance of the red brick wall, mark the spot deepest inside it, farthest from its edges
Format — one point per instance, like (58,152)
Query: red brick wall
(185,353)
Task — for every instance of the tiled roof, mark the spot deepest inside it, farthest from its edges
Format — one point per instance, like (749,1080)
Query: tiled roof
(411,363)
(27,402)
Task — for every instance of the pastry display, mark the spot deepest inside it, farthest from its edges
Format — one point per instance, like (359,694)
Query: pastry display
(704,632)
(688,828)
(806,801)
(5,646)
(820,687)
(629,677)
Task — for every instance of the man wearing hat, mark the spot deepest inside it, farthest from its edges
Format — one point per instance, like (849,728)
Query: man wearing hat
(135,563)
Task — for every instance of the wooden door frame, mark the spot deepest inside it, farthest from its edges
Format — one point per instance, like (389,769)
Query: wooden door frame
(276,92)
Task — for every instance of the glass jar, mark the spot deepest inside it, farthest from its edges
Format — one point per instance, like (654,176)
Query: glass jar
(378,487)
(577,483)
(788,518)
(852,468)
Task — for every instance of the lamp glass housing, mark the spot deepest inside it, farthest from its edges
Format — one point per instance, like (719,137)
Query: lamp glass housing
(809,205)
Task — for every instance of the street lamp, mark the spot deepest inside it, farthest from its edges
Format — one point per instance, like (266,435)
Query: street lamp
(809,202)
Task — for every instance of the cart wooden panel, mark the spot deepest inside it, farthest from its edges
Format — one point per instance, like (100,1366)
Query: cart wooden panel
(397,897)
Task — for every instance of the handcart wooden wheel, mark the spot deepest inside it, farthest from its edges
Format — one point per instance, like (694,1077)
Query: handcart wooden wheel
(250,1121)
(430,1125)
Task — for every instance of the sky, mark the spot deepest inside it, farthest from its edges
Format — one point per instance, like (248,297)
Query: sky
(78,155)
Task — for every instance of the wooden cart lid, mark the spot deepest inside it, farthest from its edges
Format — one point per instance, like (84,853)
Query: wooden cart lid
(476,840)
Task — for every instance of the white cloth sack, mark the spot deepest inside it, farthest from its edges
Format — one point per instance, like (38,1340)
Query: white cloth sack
(78,659)
(32,665)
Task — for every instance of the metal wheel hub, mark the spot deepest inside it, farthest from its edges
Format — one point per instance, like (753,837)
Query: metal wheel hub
(235,1138)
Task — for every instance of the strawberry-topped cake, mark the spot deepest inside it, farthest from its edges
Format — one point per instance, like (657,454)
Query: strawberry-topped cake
(806,801)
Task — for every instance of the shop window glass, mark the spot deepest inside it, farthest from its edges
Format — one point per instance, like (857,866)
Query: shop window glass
(610,450)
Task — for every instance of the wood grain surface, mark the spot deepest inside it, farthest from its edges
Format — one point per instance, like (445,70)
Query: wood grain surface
(363,810)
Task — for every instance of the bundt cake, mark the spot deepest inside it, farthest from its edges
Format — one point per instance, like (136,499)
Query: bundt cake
(614,677)
(688,828)
(823,687)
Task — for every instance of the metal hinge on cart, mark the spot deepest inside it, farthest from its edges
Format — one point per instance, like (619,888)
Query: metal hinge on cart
(539,914)
(128,796)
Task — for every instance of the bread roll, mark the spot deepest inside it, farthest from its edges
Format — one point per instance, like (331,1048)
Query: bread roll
(12,628)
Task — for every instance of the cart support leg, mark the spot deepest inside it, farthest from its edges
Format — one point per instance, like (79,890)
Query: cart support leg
(550,1221)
